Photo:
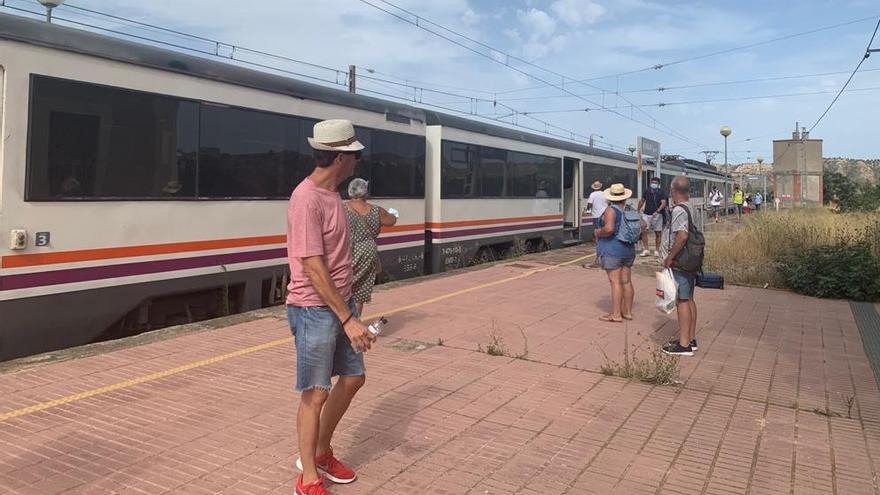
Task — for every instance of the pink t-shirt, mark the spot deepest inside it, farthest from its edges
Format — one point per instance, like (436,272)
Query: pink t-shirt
(317,225)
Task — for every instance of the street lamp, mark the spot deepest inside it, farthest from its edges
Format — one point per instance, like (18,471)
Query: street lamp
(50,4)
(591,138)
(632,149)
(725,131)
(763,176)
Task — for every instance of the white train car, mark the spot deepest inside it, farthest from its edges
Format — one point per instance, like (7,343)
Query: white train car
(141,187)
(491,189)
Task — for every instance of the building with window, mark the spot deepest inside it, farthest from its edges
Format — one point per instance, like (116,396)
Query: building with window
(797,170)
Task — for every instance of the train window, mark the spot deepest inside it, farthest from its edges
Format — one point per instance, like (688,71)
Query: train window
(522,179)
(696,190)
(608,175)
(533,175)
(458,172)
(88,141)
(242,153)
(396,164)
(298,160)
(493,162)
(549,177)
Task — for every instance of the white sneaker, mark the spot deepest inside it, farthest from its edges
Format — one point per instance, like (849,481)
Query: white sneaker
(656,254)
(645,252)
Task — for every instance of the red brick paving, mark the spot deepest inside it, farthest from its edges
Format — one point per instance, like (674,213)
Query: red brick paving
(450,420)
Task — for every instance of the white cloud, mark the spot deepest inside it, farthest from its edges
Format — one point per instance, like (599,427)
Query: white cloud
(577,12)
(470,18)
(539,23)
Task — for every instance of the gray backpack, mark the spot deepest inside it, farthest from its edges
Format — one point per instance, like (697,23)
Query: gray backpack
(690,258)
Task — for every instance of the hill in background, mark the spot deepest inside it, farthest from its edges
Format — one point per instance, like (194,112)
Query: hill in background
(864,171)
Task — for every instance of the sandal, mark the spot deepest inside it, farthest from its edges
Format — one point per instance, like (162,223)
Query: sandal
(627,317)
(609,318)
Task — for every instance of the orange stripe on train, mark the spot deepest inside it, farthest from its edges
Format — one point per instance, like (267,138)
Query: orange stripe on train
(37,259)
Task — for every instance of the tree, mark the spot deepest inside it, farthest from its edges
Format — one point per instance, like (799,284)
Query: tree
(850,195)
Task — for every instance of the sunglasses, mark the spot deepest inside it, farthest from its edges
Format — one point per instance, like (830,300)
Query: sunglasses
(357,154)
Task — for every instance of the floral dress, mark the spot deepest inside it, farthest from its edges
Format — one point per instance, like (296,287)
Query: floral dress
(364,229)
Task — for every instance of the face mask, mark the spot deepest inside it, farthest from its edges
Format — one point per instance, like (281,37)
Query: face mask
(655,186)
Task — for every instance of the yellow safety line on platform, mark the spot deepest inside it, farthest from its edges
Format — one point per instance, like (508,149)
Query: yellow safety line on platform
(268,345)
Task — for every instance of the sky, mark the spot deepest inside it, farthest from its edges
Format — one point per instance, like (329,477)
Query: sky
(531,47)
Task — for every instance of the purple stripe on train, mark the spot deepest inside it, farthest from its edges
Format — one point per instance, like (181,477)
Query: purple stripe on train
(72,275)
(491,230)
(55,277)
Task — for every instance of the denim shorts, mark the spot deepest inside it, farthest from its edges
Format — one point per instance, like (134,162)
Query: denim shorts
(686,283)
(322,347)
(612,263)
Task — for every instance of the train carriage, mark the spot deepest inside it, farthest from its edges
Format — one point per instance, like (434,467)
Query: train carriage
(491,190)
(150,187)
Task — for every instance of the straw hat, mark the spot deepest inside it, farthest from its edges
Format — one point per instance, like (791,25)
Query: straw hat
(617,193)
(335,135)
(597,186)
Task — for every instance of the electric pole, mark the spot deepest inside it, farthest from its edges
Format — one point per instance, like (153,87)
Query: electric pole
(352,77)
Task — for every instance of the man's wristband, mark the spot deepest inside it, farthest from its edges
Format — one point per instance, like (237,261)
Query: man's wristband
(347,319)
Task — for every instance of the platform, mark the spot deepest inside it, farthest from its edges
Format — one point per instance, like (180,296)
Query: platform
(780,398)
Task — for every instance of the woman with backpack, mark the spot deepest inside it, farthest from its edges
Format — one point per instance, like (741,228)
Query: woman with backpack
(618,232)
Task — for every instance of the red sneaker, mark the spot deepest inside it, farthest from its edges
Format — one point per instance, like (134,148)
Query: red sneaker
(329,466)
(314,488)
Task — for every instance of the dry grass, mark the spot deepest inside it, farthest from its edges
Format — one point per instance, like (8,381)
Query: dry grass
(656,368)
(748,255)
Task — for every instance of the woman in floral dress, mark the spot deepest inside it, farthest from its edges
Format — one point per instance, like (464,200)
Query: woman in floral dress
(365,221)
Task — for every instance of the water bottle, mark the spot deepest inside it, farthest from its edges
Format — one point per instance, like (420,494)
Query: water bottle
(375,328)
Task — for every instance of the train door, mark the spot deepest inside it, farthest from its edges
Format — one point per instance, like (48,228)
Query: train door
(571,219)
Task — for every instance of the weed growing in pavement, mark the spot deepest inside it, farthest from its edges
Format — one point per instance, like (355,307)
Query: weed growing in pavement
(825,412)
(656,368)
(849,400)
(497,347)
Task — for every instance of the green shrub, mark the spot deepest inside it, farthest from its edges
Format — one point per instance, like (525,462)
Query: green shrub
(845,270)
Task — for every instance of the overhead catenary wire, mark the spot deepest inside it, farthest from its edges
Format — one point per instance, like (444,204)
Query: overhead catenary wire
(659,66)
(842,89)
(420,22)
(664,89)
(704,101)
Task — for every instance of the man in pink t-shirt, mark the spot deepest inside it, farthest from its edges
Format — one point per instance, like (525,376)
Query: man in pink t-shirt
(330,338)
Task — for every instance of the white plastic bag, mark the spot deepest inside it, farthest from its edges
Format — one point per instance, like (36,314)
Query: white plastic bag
(667,291)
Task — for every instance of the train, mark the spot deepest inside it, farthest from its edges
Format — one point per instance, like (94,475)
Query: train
(142,187)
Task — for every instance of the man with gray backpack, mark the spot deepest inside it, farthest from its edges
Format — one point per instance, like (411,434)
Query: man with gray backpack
(682,251)
(618,230)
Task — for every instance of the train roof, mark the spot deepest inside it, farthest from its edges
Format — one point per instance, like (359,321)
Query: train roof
(39,33)
(436,118)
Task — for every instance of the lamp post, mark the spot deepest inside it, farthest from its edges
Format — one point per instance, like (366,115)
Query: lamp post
(591,138)
(632,149)
(725,131)
(763,176)
(50,4)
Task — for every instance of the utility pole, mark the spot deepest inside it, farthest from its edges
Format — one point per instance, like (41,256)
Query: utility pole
(710,155)
(352,78)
